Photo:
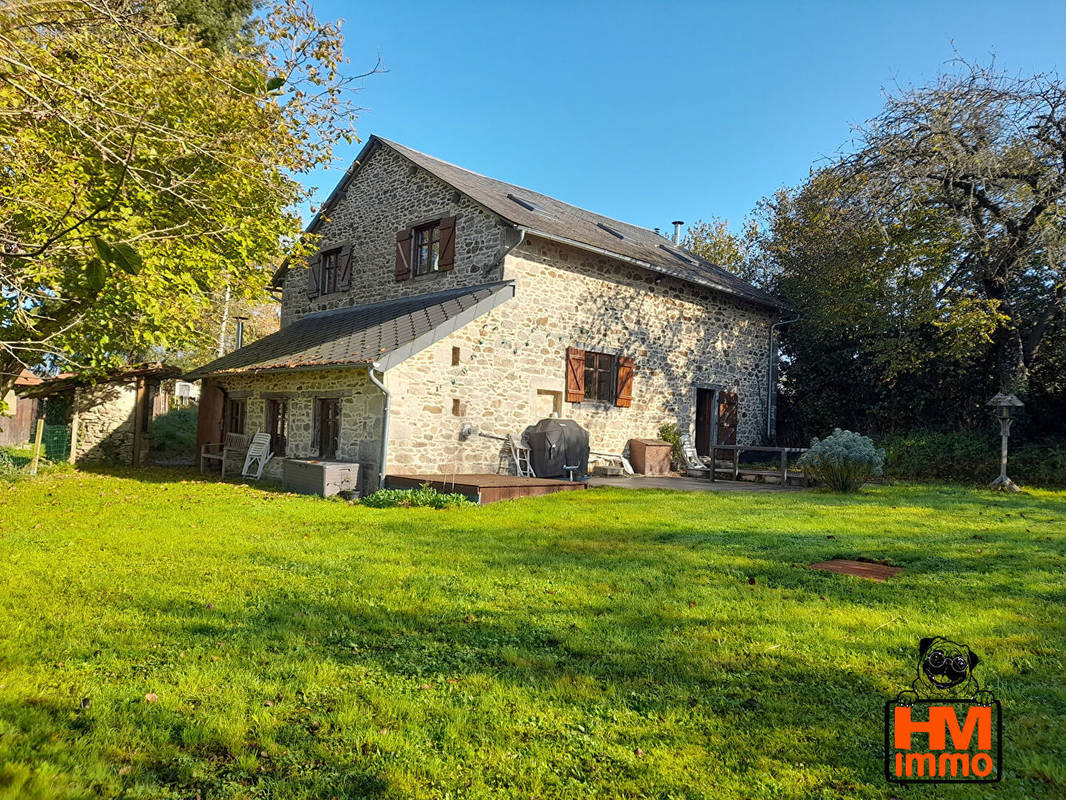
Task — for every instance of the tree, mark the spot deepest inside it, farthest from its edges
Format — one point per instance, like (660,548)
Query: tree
(878,345)
(216,23)
(144,171)
(712,240)
(988,152)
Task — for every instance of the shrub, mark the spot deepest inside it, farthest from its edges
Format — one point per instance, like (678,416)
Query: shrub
(423,497)
(843,461)
(668,433)
(972,458)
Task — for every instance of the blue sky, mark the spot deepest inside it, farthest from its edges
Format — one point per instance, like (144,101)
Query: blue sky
(655,112)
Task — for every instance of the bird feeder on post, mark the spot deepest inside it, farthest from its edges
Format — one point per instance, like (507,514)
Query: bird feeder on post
(1006,406)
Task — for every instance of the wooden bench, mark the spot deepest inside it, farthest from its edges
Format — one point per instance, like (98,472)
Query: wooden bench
(733,466)
(218,451)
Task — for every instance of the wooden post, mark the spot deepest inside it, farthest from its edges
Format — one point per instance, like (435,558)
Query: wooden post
(73,456)
(784,467)
(138,420)
(37,447)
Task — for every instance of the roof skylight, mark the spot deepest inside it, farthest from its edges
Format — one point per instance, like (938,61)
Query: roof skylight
(679,255)
(609,230)
(529,205)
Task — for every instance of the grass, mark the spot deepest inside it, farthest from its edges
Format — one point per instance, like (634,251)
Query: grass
(607,643)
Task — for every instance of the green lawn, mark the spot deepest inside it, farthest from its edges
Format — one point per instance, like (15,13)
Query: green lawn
(607,643)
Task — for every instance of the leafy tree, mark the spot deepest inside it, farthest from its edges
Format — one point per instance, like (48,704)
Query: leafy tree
(216,23)
(879,345)
(986,151)
(712,240)
(143,171)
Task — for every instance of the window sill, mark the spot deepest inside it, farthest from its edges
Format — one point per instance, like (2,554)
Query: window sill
(595,405)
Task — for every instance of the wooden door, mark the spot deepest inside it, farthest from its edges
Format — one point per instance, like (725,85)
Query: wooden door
(727,417)
(329,427)
(209,416)
(704,420)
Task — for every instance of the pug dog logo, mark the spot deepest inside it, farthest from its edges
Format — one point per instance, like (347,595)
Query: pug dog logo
(924,740)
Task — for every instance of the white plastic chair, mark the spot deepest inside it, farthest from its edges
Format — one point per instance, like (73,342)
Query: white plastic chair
(258,456)
(520,455)
(693,463)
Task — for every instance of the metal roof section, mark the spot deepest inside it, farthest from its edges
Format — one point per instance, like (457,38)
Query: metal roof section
(378,334)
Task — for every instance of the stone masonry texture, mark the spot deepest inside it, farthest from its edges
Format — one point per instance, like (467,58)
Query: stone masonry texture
(511,361)
(511,369)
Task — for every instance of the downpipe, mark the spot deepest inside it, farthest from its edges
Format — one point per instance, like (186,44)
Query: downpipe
(771,354)
(385,420)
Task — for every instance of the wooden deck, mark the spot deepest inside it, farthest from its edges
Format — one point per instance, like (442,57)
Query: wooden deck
(484,488)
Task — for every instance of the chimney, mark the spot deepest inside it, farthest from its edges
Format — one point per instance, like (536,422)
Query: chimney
(239,343)
(677,230)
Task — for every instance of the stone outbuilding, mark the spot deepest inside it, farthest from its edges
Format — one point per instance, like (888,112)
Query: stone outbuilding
(107,419)
(442,300)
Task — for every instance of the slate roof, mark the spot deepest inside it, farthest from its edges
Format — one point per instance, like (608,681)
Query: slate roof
(382,333)
(554,219)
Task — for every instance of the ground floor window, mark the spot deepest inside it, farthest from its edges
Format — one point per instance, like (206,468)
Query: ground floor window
(277,424)
(599,377)
(236,411)
(327,426)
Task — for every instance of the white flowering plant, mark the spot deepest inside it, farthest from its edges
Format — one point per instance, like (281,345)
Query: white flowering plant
(843,461)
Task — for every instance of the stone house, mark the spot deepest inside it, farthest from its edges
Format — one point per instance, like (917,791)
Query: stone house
(440,298)
(105,419)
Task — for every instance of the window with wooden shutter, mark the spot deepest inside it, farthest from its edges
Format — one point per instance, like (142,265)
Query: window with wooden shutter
(447,244)
(344,269)
(624,396)
(575,375)
(327,273)
(314,276)
(403,254)
(601,381)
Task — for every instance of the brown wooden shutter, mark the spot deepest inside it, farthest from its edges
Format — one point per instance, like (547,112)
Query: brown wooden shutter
(575,375)
(344,269)
(728,404)
(624,398)
(447,244)
(403,254)
(314,280)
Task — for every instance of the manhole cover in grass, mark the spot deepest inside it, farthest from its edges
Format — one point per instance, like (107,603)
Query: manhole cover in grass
(862,569)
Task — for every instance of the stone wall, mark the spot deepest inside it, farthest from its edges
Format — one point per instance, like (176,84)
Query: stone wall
(362,411)
(106,415)
(387,195)
(511,369)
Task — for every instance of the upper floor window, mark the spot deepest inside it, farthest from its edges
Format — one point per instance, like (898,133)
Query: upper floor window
(330,264)
(331,271)
(425,249)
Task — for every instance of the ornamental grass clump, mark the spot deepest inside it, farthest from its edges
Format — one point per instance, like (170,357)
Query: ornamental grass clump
(843,461)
